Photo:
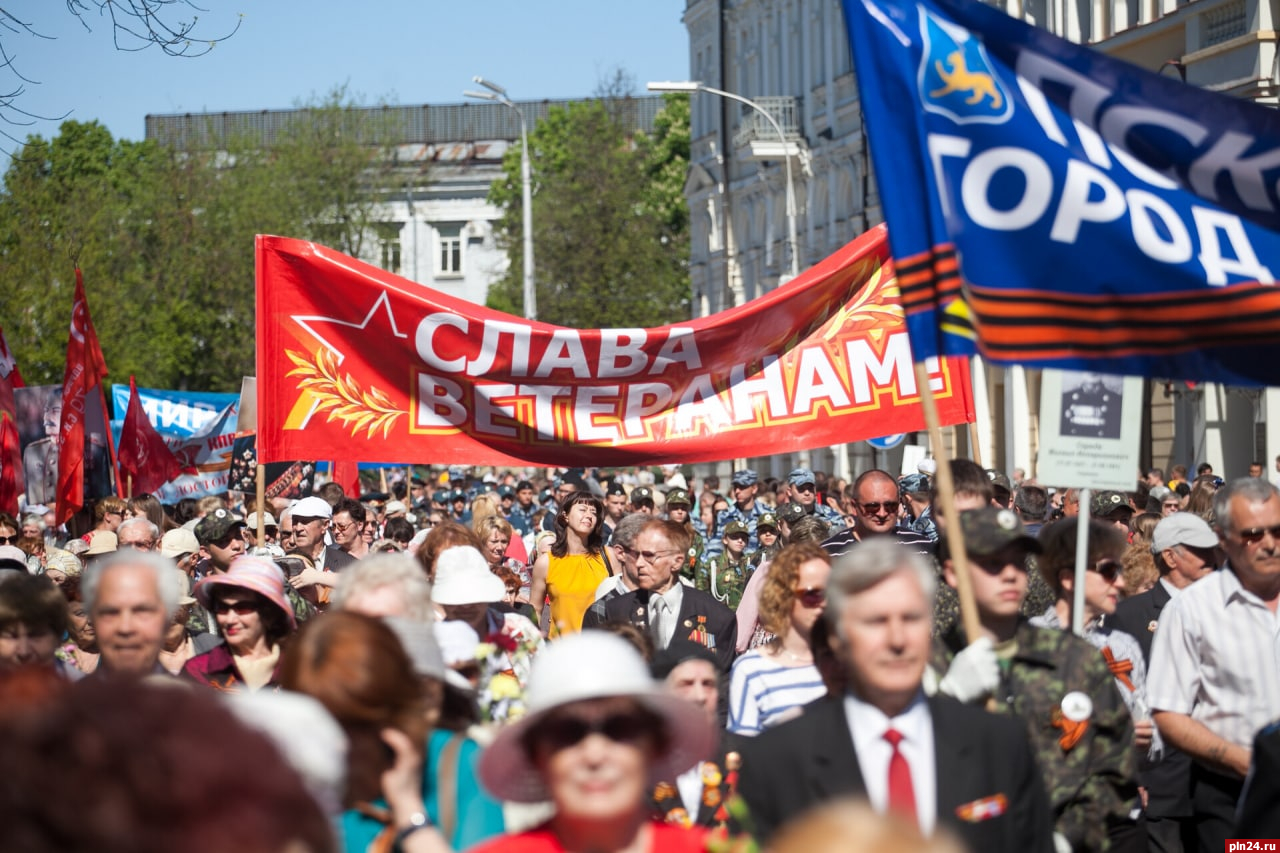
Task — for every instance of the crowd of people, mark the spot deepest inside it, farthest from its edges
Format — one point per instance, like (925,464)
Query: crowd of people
(625,661)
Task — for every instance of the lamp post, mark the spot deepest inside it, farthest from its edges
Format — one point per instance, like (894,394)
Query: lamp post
(696,86)
(499,94)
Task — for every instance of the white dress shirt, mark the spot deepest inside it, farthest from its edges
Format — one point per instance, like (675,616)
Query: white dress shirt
(868,724)
(674,597)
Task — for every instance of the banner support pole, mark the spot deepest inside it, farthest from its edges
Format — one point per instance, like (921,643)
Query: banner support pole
(947,495)
(262,500)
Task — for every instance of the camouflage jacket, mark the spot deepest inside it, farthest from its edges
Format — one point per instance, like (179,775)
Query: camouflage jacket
(725,578)
(1078,724)
(696,558)
(830,516)
(749,518)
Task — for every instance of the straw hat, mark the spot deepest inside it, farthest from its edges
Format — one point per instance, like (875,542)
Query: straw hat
(254,574)
(591,665)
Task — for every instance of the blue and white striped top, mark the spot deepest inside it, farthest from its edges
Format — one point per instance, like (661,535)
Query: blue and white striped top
(764,693)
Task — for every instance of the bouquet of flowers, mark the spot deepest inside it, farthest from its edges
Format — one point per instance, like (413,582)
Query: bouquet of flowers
(504,664)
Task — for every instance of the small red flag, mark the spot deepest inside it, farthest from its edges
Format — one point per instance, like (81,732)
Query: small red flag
(143,453)
(85,370)
(347,475)
(11,475)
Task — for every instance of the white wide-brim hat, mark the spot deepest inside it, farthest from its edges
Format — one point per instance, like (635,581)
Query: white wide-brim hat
(591,665)
(463,577)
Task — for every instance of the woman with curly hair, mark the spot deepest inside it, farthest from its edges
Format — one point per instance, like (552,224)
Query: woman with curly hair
(569,573)
(768,685)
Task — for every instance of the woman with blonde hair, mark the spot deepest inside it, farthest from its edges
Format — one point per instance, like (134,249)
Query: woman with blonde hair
(769,684)
(496,538)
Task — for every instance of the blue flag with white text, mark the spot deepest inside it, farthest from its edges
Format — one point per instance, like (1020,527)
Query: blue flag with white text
(1054,207)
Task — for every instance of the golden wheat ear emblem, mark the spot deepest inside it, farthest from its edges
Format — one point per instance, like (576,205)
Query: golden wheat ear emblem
(341,396)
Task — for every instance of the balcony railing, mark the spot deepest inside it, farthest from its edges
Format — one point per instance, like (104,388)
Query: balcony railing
(754,127)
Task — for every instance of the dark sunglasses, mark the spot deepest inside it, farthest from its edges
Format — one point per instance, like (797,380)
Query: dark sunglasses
(242,608)
(890,508)
(813,596)
(1253,535)
(564,732)
(806,487)
(1109,569)
(9,540)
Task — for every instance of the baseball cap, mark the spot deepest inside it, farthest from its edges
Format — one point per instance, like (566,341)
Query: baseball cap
(393,507)
(914,484)
(616,488)
(791,512)
(678,497)
(1104,503)
(800,476)
(178,543)
(989,529)
(220,522)
(641,493)
(745,477)
(767,520)
(102,542)
(735,527)
(1182,528)
(312,507)
(268,520)
(505,492)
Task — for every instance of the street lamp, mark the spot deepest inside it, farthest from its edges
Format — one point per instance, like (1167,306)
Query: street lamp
(499,94)
(696,86)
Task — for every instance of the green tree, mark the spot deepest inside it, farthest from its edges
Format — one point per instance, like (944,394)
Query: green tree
(610,226)
(165,238)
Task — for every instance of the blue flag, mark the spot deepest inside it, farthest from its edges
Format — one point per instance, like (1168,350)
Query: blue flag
(1054,207)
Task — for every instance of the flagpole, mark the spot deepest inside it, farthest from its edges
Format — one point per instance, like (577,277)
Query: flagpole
(111,444)
(262,509)
(128,486)
(947,495)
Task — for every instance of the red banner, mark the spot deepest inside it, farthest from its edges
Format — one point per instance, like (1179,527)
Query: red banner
(143,455)
(84,373)
(11,478)
(354,361)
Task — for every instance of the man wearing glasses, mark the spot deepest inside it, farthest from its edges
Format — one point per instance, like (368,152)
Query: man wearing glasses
(875,513)
(1058,684)
(1215,657)
(662,606)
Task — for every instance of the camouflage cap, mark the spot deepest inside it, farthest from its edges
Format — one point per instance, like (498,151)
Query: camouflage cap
(678,497)
(791,512)
(990,529)
(767,520)
(1106,503)
(735,527)
(216,525)
(999,480)
(800,476)
(745,477)
(914,484)
(641,493)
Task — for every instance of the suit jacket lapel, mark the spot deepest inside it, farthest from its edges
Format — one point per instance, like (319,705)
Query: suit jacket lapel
(1160,597)
(833,762)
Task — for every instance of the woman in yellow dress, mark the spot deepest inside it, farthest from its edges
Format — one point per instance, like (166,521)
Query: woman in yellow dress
(576,564)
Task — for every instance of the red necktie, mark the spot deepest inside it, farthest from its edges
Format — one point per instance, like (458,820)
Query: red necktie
(902,796)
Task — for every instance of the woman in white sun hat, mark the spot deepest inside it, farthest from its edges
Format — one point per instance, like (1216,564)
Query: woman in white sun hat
(599,733)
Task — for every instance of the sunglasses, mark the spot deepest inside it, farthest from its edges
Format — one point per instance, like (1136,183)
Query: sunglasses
(812,596)
(343,528)
(241,608)
(9,540)
(627,727)
(1253,535)
(649,556)
(1109,569)
(889,507)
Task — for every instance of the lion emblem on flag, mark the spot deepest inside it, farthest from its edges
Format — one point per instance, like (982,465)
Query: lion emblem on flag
(956,78)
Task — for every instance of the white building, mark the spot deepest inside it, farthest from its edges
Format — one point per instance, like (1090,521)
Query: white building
(436,225)
(793,57)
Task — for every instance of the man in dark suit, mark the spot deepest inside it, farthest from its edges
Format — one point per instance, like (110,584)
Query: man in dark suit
(663,607)
(1259,814)
(932,761)
(1185,549)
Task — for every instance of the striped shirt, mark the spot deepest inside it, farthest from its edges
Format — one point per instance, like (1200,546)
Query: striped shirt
(1216,657)
(845,541)
(764,693)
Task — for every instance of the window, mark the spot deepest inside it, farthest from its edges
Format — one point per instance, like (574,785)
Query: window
(449,250)
(390,255)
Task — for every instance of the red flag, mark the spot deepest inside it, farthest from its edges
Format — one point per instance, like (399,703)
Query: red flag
(143,453)
(85,370)
(347,475)
(11,478)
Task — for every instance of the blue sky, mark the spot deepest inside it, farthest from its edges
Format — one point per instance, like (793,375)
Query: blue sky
(290,51)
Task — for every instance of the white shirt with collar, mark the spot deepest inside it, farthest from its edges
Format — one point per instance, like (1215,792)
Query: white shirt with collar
(1169,588)
(674,598)
(867,725)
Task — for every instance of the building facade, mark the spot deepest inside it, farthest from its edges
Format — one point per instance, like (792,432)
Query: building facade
(793,58)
